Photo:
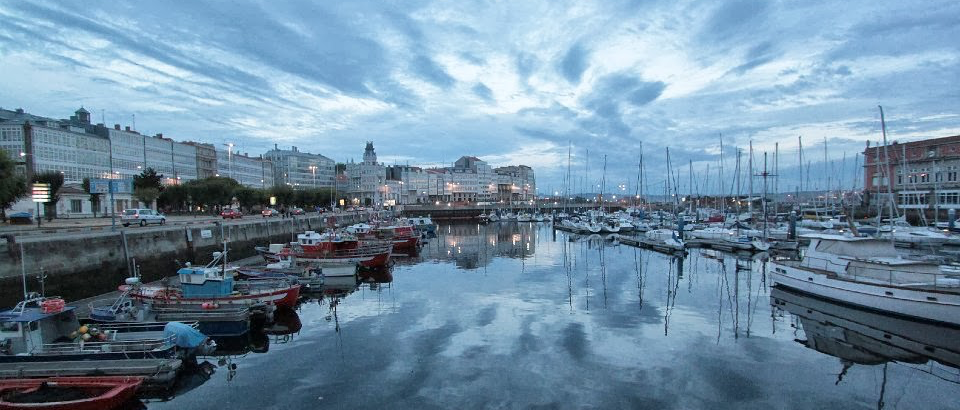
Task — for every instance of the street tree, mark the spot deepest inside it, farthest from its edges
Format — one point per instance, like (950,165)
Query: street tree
(147,186)
(55,180)
(13,187)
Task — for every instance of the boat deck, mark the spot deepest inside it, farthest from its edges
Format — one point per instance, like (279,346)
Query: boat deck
(156,370)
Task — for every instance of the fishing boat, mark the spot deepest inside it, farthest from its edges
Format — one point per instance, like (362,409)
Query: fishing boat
(68,393)
(213,285)
(211,320)
(403,237)
(333,248)
(42,337)
(287,268)
(867,272)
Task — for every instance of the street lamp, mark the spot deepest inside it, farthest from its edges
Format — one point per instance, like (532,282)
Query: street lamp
(313,169)
(230,158)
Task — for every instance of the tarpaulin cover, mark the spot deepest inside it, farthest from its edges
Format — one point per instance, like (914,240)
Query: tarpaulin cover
(185,335)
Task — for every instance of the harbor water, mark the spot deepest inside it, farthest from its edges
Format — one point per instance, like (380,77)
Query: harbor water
(520,316)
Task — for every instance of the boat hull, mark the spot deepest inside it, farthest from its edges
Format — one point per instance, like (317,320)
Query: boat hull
(281,297)
(931,305)
(106,392)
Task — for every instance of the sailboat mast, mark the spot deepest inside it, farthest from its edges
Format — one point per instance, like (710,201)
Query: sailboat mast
(603,181)
(750,180)
(886,166)
(723,199)
(800,159)
(566,196)
(636,194)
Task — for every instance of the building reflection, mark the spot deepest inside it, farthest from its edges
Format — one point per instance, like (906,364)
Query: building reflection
(472,246)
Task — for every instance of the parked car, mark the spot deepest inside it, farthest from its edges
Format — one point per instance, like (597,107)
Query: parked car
(231,214)
(297,211)
(269,212)
(142,217)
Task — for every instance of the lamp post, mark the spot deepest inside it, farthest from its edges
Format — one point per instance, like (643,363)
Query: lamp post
(230,158)
(313,169)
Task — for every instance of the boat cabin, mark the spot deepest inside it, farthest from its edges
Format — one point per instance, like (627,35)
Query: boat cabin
(873,260)
(204,282)
(28,327)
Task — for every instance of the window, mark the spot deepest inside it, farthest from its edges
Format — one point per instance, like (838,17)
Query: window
(76,206)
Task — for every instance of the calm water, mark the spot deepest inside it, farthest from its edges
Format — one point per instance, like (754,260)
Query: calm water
(510,316)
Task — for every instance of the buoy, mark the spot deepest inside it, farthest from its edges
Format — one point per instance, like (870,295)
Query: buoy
(86,337)
(101,337)
(83,329)
(74,334)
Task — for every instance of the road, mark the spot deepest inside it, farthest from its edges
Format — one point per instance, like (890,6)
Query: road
(97,225)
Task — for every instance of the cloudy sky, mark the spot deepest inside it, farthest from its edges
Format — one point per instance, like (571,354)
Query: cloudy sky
(507,81)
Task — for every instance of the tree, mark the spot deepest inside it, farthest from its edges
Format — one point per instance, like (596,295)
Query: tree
(147,185)
(284,194)
(55,180)
(340,168)
(213,191)
(174,196)
(94,197)
(12,186)
(250,197)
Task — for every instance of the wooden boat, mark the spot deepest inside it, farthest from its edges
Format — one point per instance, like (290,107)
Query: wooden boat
(866,272)
(213,286)
(68,393)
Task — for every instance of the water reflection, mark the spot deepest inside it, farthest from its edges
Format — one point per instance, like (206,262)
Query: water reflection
(520,316)
(473,246)
(862,337)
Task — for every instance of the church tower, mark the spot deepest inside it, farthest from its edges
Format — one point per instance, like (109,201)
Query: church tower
(369,156)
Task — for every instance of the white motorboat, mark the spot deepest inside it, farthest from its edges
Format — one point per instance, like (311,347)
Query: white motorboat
(866,272)
(524,217)
(919,236)
(660,234)
(609,226)
(713,232)
(493,217)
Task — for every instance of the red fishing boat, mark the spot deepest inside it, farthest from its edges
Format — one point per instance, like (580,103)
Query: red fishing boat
(403,236)
(336,248)
(73,393)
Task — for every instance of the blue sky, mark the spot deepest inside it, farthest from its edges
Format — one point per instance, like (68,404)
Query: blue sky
(509,82)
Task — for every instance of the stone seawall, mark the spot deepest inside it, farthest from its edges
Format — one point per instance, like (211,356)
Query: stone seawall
(78,266)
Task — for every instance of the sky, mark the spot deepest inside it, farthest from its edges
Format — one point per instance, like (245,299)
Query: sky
(511,82)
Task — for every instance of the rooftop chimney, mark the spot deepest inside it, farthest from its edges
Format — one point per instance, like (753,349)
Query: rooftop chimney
(19,110)
(294,149)
(127,128)
(116,127)
(159,135)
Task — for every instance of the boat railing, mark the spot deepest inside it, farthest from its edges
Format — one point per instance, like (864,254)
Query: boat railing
(106,346)
(882,274)
(173,313)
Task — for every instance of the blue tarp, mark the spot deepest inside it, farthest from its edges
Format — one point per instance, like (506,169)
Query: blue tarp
(186,336)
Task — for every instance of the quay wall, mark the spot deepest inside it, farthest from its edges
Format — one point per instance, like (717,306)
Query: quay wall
(78,266)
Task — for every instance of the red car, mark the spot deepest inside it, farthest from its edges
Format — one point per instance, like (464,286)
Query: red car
(231,214)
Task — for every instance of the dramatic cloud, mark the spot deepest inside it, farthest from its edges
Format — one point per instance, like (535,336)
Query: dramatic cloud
(429,81)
